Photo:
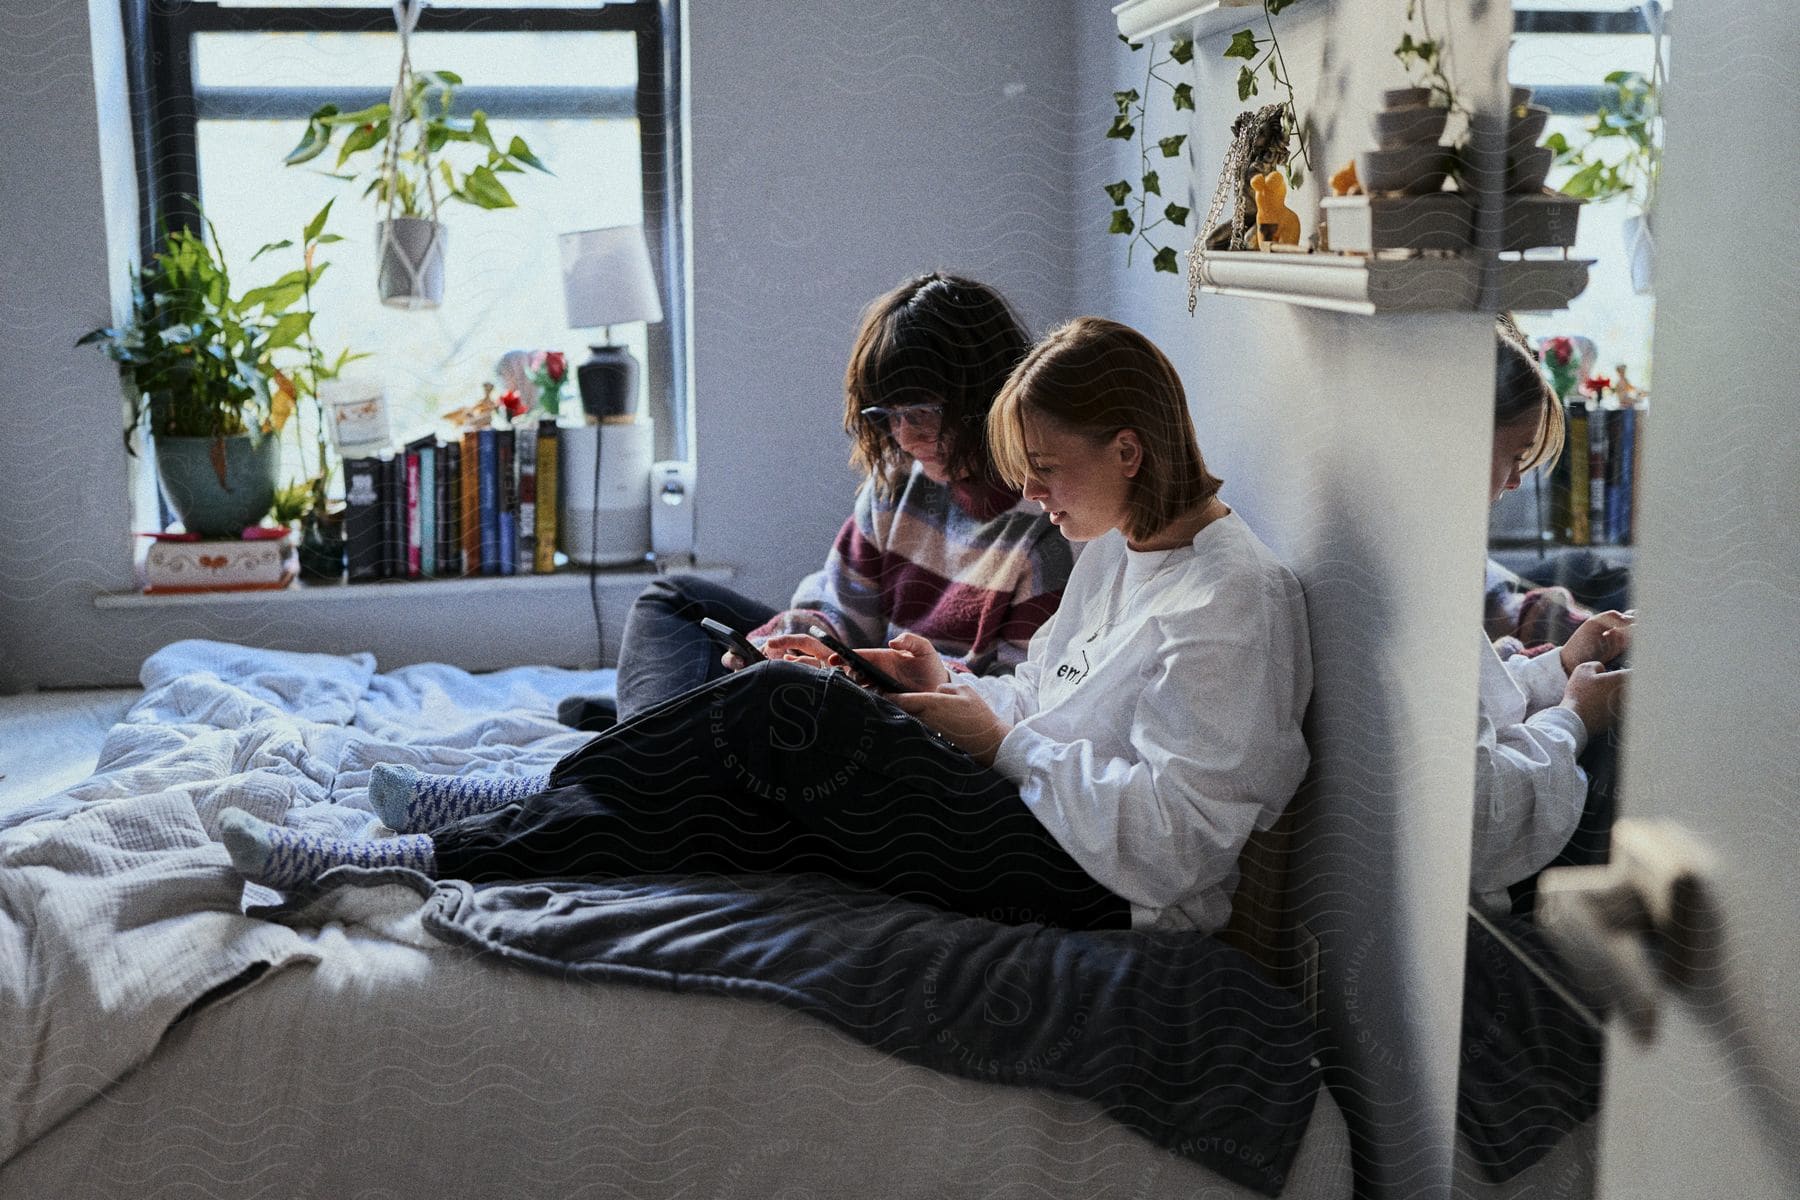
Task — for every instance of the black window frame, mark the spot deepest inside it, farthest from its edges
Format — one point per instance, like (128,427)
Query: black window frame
(166,111)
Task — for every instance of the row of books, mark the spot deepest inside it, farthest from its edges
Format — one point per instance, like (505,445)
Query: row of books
(1594,487)
(484,505)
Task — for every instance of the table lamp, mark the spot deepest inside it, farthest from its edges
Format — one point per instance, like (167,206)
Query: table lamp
(607,281)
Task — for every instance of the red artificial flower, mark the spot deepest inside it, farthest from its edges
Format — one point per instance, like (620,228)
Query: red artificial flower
(556,366)
(1597,385)
(1561,349)
(513,403)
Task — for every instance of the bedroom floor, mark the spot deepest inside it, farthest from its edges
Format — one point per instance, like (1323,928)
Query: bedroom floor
(51,740)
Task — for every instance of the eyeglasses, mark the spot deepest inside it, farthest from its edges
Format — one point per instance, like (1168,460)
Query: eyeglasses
(913,416)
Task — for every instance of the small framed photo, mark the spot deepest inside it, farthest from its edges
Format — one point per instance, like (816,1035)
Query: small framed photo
(358,411)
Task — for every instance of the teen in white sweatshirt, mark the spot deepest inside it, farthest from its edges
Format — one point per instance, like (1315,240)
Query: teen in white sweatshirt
(1112,780)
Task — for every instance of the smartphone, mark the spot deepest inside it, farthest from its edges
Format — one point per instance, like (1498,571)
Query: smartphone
(740,645)
(858,664)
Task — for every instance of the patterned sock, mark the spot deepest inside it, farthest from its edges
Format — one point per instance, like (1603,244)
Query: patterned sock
(286,858)
(408,802)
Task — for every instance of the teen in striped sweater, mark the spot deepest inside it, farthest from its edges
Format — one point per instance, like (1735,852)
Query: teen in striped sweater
(936,545)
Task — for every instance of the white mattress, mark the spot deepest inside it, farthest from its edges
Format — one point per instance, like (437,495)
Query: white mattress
(396,1066)
(393,1070)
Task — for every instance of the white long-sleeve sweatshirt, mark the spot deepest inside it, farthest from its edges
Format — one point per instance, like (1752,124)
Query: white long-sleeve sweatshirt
(1156,719)
(1528,791)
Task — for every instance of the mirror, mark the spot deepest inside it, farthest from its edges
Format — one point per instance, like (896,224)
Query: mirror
(1560,549)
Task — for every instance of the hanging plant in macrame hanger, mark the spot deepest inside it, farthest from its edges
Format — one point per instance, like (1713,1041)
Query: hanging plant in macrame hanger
(414,129)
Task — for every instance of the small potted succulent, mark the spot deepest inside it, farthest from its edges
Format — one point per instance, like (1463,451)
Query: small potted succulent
(414,132)
(198,364)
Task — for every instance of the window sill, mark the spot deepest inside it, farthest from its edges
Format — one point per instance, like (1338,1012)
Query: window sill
(570,581)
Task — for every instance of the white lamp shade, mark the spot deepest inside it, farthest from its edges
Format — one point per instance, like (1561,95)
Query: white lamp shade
(607,278)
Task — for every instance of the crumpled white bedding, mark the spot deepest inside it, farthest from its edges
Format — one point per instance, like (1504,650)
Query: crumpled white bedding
(391,1065)
(292,736)
(118,907)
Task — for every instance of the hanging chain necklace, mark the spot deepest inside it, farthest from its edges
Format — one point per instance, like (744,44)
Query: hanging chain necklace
(1119,614)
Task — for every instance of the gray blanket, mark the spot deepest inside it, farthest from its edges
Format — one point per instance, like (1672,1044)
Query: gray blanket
(1175,1035)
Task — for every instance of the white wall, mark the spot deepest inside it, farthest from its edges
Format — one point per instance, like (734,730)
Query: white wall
(837,146)
(1714,737)
(1358,448)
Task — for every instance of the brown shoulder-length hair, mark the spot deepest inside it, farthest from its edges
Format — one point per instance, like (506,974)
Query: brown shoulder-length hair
(1521,393)
(1098,377)
(936,338)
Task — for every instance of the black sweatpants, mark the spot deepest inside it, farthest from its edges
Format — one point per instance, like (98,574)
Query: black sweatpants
(783,768)
(664,652)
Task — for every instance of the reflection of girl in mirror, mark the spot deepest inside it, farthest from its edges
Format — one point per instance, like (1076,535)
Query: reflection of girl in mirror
(1537,713)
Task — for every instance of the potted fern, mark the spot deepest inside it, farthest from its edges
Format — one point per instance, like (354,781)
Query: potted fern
(198,364)
(414,133)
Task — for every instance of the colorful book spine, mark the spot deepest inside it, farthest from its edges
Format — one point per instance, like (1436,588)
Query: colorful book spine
(1577,451)
(488,500)
(543,560)
(449,484)
(1623,438)
(525,442)
(470,525)
(362,518)
(1596,497)
(506,504)
(393,520)
(409,464)
(428,508)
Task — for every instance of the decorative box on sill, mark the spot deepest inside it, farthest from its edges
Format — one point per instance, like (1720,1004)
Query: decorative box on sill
(175,564)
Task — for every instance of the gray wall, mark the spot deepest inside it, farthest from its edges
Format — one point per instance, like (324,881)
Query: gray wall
(1714,738)
(836,147)
(1358,448)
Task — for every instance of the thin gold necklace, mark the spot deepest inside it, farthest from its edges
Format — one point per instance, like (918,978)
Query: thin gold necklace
(1124,608)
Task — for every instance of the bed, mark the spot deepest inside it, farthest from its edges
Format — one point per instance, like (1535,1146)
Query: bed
(175,1033)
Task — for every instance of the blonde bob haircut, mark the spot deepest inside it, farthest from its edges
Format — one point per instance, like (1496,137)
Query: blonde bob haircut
(1096,378)
(1521,393)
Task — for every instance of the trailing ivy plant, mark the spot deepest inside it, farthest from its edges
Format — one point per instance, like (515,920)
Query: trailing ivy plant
(1264,54)
(1129,123)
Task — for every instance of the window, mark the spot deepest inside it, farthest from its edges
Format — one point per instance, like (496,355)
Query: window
(226,89)
(1563,51)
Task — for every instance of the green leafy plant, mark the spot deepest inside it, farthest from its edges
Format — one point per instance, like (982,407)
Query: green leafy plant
(198,361)
(1129,123)
(1424,60)
(1261,54)
(298,388)
(412,166)
(1626,122)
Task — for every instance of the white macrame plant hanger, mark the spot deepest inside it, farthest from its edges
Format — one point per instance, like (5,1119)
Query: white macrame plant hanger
(391,249)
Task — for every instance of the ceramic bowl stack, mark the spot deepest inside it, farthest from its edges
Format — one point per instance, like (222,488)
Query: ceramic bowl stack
(1406,158)
(1527,163)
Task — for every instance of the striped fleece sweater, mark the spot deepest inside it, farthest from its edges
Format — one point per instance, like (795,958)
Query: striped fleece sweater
(973,569)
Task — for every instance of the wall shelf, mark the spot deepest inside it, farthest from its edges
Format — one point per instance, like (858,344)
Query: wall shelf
(1353,284)
(572,581)
(1140,19)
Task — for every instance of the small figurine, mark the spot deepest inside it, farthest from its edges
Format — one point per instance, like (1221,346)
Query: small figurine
(1345,183)
(1628,394)
(1276,223)
(479,415)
